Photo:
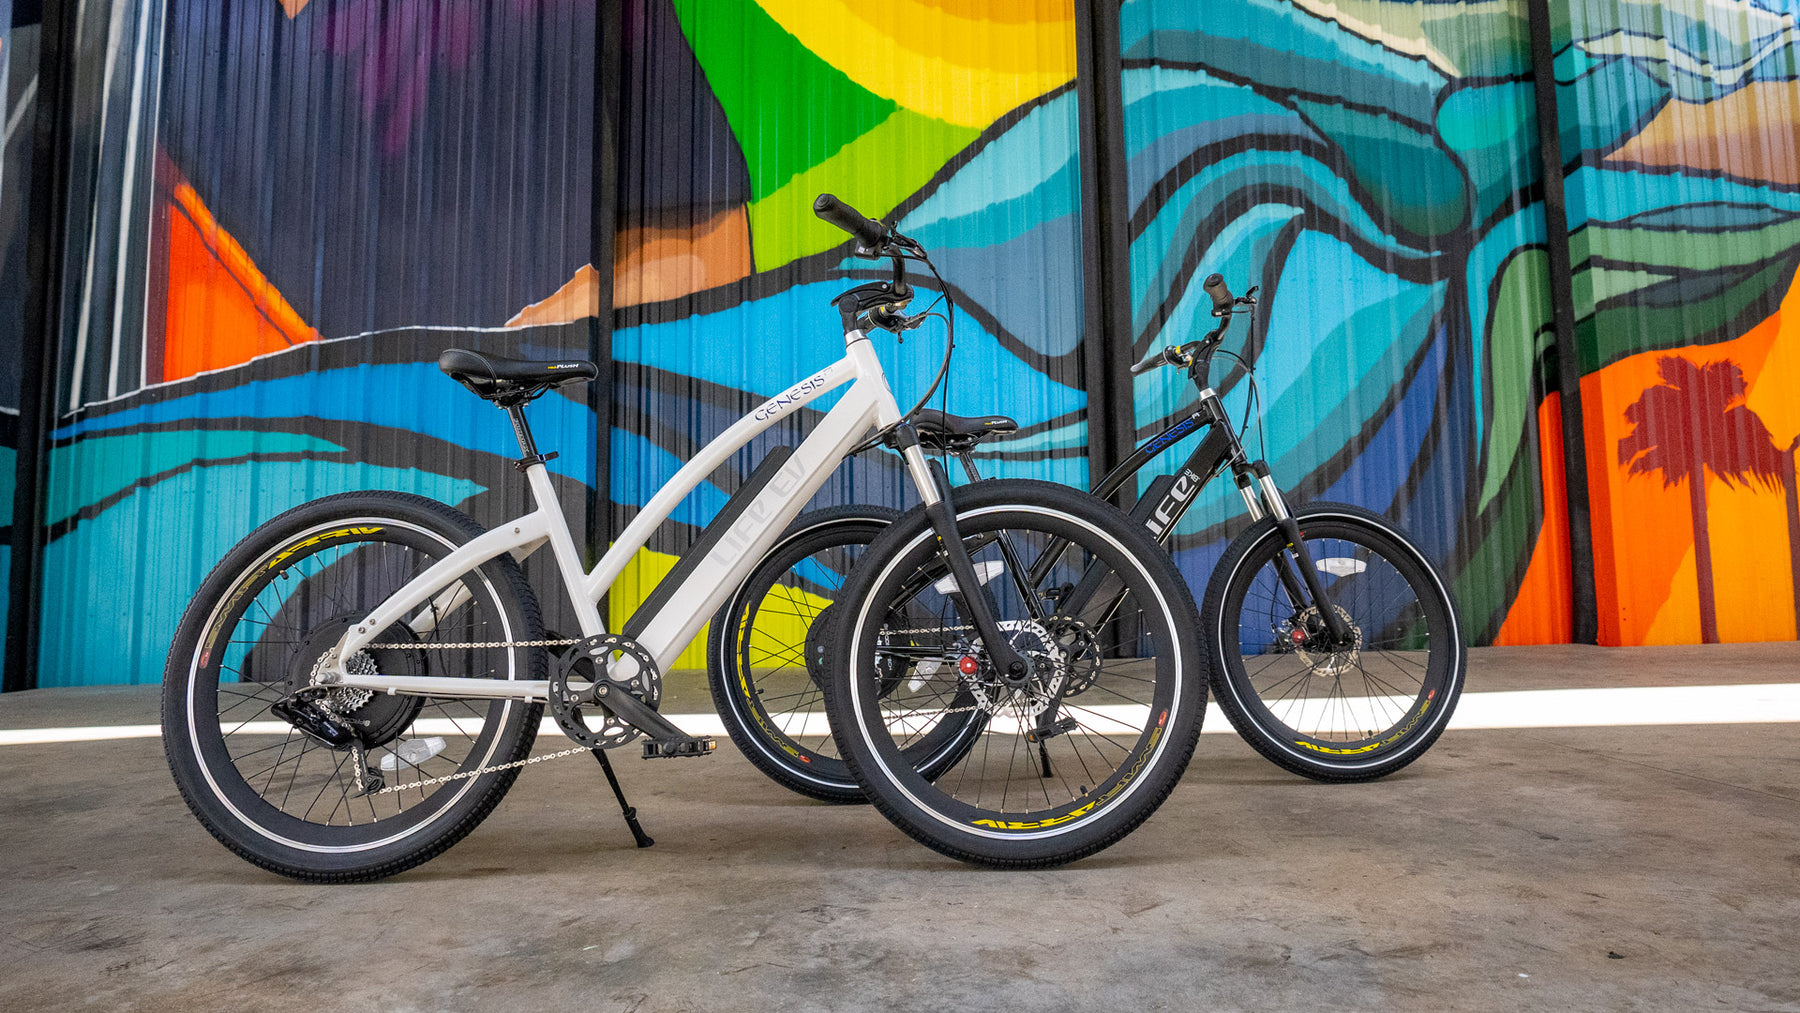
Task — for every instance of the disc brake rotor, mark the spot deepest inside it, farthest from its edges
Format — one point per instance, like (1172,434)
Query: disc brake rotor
(1050,671)
(1326,664)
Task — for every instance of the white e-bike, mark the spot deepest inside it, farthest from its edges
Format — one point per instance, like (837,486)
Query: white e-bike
(357,684)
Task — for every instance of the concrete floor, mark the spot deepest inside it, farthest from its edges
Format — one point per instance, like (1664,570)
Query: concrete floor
(1594,868)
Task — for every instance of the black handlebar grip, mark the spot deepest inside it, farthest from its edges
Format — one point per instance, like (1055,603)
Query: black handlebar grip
(1221,295)
(867,231)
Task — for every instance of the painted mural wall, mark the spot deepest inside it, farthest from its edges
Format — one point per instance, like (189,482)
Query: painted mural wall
(1373,167)
(955,122)
(18,85)
(283,210)
(1681,132)
(312,200)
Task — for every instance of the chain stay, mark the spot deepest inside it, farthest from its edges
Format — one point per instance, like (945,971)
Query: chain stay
(466,774)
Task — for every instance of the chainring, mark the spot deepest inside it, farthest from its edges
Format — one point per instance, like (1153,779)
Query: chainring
(578,673)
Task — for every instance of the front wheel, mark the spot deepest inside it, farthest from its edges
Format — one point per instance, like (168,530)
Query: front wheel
(1334,712)
(1073,755)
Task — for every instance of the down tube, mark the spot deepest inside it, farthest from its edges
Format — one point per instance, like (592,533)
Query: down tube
(751,535)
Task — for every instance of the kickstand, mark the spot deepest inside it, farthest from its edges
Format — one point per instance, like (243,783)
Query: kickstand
(643,840)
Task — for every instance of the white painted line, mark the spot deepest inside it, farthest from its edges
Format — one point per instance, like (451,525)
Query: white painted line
(1776,703)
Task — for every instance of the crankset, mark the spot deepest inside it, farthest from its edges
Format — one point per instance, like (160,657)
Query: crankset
(581,689)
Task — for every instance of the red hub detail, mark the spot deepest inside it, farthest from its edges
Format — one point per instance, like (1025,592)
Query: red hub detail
(968,665)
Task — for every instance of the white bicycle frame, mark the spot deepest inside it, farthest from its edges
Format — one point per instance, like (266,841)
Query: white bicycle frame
(423,602)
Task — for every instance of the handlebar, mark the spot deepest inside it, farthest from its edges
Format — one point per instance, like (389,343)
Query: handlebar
(1167,356)
(1199,353)
(1221,294)
(868,232)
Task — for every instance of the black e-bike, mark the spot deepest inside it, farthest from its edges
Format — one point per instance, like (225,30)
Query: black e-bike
(1335,647)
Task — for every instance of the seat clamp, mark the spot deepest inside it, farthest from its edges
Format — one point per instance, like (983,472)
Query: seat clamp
(526,462)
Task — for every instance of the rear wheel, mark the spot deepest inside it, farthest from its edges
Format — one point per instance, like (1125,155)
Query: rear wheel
(760,656)
(1071,756)
(1334,712)
(336,784)
(768,648)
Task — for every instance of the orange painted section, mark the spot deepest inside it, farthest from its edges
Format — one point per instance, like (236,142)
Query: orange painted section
(220,309)
(1541,613)
(577,299)
(1735,135)
(654,264)
(1644,562)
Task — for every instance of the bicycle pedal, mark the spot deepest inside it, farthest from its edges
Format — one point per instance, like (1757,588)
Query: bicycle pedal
(669,749)
(1040,734)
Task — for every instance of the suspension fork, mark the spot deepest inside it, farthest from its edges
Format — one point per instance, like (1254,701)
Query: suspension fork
(1264,499)
(971,592)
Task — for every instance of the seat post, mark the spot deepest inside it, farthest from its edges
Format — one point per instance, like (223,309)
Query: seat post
(522,430)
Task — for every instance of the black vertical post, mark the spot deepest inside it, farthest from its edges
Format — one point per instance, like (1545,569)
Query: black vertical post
(1584,606)
(608,101)
(48,209)
(1105,238)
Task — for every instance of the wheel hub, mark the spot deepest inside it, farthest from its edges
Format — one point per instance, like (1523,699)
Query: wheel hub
(1031,695)
(1311,640)
(377,720)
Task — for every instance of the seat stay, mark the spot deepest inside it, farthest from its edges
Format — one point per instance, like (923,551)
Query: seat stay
(439,582)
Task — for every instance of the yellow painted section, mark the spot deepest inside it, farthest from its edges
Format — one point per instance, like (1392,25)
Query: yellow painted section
(983,58)
(647,568)
(782,223)
(782,620)
(634,585)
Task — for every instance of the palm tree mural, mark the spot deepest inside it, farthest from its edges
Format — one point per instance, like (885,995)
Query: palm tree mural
(1692,422)
(1792,480)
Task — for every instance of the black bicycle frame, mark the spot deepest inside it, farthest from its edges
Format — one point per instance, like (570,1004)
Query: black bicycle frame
(1169,496)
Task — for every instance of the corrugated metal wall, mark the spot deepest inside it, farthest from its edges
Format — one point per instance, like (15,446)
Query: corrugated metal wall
(958,124)
(1375,171)
(1682,125)
(18,84)
(281,214)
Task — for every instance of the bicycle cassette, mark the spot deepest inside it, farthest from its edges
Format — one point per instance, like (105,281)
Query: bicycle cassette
(580,683)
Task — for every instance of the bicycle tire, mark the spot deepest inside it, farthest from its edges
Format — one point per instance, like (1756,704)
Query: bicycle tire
(1101,765)
(1362,724)
(764,653)
(757,651)
(250,638)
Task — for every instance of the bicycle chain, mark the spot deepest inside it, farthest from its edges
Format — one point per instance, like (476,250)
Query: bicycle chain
(466,774)
(490,643)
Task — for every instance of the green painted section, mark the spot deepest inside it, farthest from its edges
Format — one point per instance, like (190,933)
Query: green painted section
(788,109)
(90,470)
(1484,588)
(874,172)
(1607,283)
(1414,181)
(1690,250)
(1693,312)
(1521,311)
